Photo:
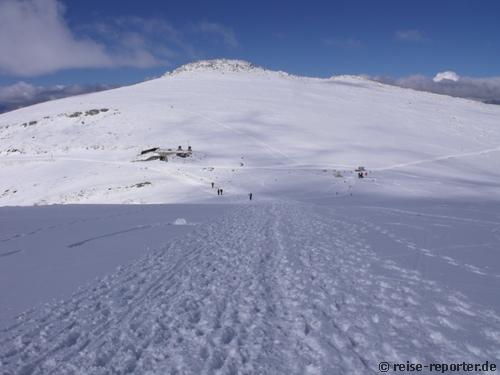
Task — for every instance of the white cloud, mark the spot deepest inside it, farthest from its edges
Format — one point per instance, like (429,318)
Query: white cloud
(35,39)
(18,92)
(410,36)
(227,34)
(485,89)
(22,94)
(144,40)
(447,75)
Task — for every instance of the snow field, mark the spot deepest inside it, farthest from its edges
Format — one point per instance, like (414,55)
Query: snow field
(322,273)
(268,288)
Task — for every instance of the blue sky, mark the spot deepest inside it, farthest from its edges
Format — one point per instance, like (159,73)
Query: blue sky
(325,37)
(63,42)
(317,38)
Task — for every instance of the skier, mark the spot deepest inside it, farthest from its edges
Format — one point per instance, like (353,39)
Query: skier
(250,196)
(218,191)
(213,185)
(221,192)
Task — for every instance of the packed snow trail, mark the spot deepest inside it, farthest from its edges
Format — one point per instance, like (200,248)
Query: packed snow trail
(267,289)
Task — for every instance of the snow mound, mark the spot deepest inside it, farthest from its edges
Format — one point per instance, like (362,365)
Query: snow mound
(217,65)
(180,221)
(349,77)
(446,76)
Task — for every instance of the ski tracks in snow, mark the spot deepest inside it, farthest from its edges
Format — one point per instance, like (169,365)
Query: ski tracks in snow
(440,158)
(267,289)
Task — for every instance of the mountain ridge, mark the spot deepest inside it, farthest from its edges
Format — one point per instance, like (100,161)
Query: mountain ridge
(260,132)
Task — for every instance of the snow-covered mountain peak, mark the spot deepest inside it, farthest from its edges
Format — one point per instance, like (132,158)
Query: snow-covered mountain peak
(251,130)
(217,65)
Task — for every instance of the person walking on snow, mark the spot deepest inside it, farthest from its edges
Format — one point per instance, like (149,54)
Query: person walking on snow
(250,196)
(221,192)
(213,185)
(218,191)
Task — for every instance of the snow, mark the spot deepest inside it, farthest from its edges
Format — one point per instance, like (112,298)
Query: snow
(281,288)
(321,273)
(42,246)
(217,65)
(251,130)
(180,221)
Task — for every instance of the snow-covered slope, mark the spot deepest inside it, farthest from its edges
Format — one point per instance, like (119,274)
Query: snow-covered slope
(269,289)
(251,129)
(322,273)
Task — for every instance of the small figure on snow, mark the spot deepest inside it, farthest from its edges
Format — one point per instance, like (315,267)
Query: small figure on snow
(250,196)
(213,185)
